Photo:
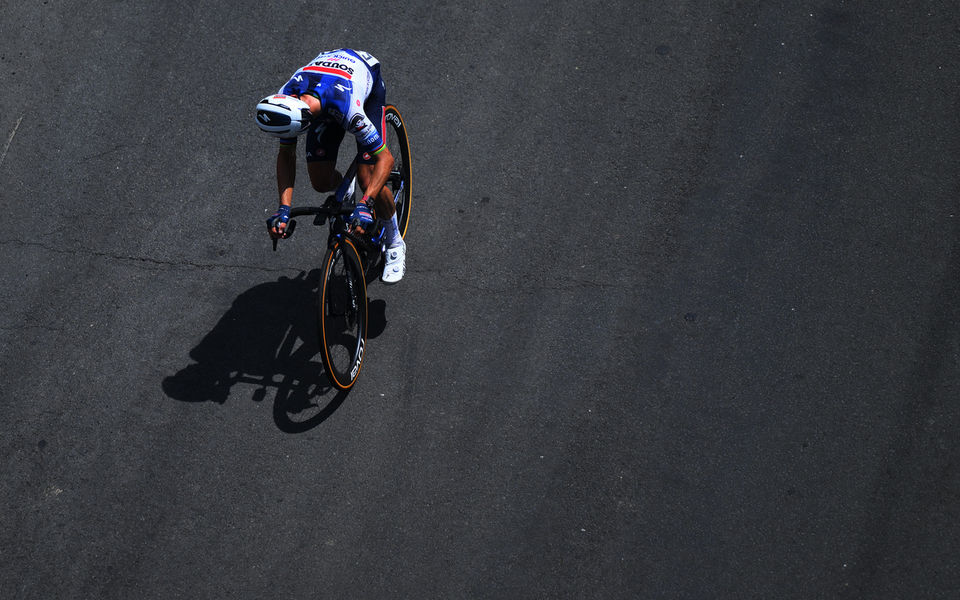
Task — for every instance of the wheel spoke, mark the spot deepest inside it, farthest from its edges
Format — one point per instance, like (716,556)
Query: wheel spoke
(343,314)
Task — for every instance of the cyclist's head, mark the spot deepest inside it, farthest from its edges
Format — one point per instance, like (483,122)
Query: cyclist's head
(283,116)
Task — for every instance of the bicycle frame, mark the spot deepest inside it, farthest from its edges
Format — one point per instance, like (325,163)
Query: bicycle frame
(338,207)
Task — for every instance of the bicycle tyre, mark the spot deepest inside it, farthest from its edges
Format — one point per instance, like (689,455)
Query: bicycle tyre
(401,176)
(343,314)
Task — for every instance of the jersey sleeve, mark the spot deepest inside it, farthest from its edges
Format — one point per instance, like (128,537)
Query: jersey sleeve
(368,138)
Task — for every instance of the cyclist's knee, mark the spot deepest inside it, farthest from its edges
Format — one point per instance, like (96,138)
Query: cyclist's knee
(323,176)
(323,186)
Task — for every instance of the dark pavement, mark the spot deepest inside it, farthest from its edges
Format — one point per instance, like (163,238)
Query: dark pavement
(680,317)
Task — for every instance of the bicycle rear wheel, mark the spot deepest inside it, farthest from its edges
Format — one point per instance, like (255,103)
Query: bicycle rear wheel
(343,314)
(400,181)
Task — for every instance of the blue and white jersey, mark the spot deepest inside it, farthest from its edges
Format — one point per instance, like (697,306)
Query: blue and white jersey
(342,80)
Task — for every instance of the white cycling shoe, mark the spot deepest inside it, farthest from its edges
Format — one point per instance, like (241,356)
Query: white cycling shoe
(394,263)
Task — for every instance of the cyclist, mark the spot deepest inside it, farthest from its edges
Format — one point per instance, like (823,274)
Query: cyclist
(338,91)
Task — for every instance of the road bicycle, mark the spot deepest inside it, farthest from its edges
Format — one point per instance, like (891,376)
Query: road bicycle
(353,258)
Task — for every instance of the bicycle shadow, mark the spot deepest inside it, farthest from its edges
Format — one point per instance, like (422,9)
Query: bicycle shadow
(268,338)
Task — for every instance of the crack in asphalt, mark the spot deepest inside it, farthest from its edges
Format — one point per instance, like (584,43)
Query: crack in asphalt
(6,146)
(533,286)
(145,260)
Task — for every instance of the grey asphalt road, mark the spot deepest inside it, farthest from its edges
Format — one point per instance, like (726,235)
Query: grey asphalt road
(680,316)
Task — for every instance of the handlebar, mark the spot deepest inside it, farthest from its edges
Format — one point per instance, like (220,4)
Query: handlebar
(330,208)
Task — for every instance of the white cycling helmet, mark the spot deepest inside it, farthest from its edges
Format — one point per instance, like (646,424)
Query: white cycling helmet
(283,116)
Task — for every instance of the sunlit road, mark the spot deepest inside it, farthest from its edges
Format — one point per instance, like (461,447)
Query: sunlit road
(680,317)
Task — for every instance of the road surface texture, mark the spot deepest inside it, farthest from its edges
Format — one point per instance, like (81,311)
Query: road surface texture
(680,317)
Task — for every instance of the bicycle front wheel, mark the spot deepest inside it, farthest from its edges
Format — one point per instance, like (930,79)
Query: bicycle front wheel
(400,181)
(343,314)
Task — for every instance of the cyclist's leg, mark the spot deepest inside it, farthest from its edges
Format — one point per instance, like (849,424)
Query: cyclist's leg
(323,144)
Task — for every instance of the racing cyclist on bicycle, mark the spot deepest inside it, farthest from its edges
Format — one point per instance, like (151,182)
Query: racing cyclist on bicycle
(337,91)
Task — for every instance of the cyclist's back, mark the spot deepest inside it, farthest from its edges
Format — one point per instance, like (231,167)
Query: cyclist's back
(344,80)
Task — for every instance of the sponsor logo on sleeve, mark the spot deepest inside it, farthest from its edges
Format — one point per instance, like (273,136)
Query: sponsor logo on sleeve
(372,140)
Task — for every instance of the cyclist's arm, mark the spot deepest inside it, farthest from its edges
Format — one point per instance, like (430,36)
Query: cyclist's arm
(286,173)
(381,171)
(286,176)
(369,140)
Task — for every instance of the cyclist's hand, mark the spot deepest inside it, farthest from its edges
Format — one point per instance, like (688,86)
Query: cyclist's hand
(277,224)
(361,215)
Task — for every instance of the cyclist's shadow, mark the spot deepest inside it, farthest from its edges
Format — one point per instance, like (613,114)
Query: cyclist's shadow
(268,338)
